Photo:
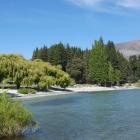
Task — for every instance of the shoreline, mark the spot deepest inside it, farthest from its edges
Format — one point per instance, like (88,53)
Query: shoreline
(70,90)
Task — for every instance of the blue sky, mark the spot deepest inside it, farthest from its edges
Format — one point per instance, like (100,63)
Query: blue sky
(27,24)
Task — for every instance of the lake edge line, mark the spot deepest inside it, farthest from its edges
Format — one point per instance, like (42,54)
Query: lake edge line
(70,90)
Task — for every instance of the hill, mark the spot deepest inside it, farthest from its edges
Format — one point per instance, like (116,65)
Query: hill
(129,48)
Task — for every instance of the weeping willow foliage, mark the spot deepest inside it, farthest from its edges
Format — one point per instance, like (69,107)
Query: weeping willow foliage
(19,71)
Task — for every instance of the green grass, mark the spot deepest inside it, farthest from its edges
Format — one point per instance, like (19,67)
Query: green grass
(14,118)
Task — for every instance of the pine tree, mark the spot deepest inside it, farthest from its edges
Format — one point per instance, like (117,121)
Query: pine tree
(69,53)
(138,68)
(133,71)
(112,54)
(99,63)
(122,67)
(35,54)
(117,76)
(44,54)
(57,55)
(86,57)
(111,75)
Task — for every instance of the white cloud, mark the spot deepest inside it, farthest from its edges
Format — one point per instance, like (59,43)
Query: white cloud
(90,3)
(105,4)
(134,4)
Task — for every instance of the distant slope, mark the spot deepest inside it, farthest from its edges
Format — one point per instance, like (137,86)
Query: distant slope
(129,48)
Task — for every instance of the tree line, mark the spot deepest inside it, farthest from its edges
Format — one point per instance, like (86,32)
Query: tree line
(103,64)
(72,60)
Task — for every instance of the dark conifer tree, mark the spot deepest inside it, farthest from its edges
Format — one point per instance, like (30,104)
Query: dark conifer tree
(138,68)
(35,54)
(76,68)
(44,53)
(57,55)
(133,68)
(112,54)
(122,67)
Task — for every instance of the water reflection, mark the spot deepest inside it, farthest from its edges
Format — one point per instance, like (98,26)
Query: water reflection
(56,102)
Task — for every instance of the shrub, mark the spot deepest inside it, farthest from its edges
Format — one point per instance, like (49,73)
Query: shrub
(42,85)
(46,82)
(138,83)
(15,120)
(72,83)
(26,91)
(63,81)
(32,91)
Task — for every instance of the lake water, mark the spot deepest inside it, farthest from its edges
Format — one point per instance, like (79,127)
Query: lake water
(113,115)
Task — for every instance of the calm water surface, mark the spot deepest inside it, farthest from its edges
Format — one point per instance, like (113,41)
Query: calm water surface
(87,116)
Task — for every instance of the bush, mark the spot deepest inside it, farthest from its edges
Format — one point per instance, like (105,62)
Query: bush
(72,83)
(26,91)
(46,82)
(138,83)
(15,120)
(32,91)
(42,85)
(63,81)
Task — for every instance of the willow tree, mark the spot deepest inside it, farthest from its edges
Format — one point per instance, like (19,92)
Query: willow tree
(37,73)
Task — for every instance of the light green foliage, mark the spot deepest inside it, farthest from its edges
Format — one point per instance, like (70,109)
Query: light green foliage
(72,83)
(99,63)
(63,81)
(14,118)
(46,82)
(138,83)
(107,66)
(26,91)
(30,73)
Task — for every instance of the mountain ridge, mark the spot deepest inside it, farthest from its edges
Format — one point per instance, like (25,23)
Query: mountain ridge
(129,48)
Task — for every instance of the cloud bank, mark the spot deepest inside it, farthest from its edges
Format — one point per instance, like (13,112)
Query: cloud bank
(129,4)
(86,2)
(135,4)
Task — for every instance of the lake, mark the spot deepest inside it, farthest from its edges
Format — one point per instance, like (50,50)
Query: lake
(113,115)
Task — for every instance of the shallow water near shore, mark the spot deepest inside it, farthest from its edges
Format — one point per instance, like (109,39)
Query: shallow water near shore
(106,115)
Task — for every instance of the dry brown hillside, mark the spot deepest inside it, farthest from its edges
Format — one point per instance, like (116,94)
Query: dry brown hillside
(129,48)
